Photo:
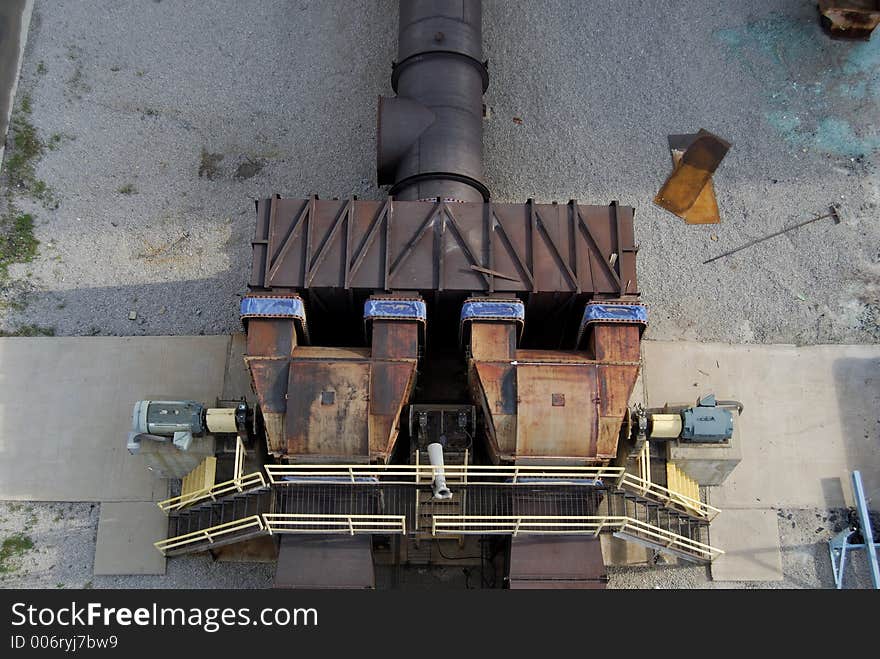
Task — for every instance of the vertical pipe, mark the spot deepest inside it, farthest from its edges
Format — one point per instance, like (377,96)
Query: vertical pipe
(430,136)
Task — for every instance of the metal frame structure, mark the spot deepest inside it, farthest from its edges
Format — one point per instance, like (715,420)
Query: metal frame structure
(840,544)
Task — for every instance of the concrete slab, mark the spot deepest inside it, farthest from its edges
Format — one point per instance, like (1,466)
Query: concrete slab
(65,410)
(15,20)
(750,540)
(126,533)
(619,552)
(812,415)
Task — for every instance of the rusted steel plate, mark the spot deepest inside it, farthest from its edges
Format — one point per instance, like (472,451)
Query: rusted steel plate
(556,562)
(554,404)
(494,386)
(334,354)
(269,376)
(854,19)
(271,337)
(322,561)
(493,341)
(567,356)
(687,181)
(391,384)
(704,210)
(614,342)
(395,339)
(408,245)
(557,431)
(327,409)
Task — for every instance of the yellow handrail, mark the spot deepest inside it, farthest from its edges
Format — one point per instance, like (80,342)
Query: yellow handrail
(644,487)
(567,525)
(250,481)
(351,524)
(411,474)
(209,533)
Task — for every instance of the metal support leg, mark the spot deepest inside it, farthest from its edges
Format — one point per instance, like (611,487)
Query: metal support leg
(837,547)
(865,525)
(840,544)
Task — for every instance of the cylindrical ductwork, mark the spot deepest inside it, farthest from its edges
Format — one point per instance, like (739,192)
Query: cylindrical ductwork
(439,487)
(430,137)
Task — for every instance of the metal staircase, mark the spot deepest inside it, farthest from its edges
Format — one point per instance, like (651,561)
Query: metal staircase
(663,528)
(212,524)
(396,500)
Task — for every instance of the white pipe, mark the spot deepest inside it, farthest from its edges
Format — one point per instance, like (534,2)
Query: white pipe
(435,455)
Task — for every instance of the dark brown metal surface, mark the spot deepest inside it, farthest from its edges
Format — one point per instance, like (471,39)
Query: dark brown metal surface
(545,429)
(270,342)
(319,561)
(853,19)
(556,562)
(423,246)
(318,429)
(559,406)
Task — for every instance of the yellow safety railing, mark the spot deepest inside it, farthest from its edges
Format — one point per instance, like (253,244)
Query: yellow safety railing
(250,481)
(658,492)
(472,474)
(669,539)
(570,525)
(239,483)
(491,475)
(211,533)
(325,523)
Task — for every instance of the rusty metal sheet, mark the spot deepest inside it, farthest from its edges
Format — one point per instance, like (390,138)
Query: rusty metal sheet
(614,342)
(704,210)
(334,353)
(322,561)
(391,384)
(493,341)
(852,19)
(567,356)
(395,339)
(327,409)
(494,385)
(557,431)
(271,337)
(269,376)
(404,245)
(685,185)
(556,562)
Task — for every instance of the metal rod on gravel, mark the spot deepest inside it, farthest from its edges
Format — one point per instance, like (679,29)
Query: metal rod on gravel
(834,213)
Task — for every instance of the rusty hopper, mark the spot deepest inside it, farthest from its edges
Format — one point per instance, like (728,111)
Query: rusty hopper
(439,366)
(440,294)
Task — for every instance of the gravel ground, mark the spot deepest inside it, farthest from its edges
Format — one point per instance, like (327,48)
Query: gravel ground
(171,117)
(63,538)
(165,119)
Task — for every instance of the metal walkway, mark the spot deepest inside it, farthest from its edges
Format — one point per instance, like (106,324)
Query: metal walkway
(362,499)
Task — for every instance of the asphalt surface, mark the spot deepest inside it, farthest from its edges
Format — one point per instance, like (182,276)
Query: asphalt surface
(139,91)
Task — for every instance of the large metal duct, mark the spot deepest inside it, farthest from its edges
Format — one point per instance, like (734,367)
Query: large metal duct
(430,135)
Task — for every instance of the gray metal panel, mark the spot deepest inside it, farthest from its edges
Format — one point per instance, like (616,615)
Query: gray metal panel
(319,561)
(556,562)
